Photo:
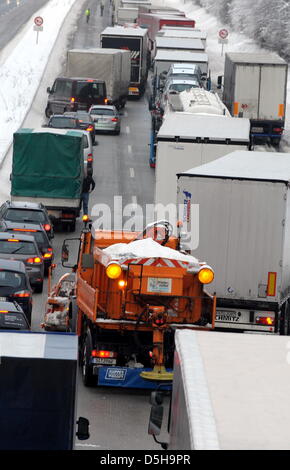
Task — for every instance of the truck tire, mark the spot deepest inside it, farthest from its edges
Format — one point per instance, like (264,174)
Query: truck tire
(73,316)
(87,373)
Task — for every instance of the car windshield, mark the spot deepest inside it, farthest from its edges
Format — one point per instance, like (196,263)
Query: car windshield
(11,279)
(25,215)
(39,236)
(13,321)
(17,247)
(63,123)
(182,86)
(102,112)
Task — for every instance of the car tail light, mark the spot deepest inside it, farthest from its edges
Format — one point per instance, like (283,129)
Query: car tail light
(114,119)
(72,100)
(279,130)
(103,353)
(90,157)
(47,227)
(90,128)
(22,294)
(267,321)
(47,255)
(106,100)
(35,260)
(23,230)
(3,311)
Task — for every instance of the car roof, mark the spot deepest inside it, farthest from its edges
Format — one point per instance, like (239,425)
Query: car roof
(19,236)
(11,307)
(12,265)
(62,116)
(102,106)
(25,205)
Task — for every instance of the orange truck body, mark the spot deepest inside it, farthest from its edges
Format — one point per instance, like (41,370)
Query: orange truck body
(111,312)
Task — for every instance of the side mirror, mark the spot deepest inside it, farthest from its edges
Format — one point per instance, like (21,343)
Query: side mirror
(219,81)
(48,90)
(64,253)
(156,398)
(83,429)
(155,420)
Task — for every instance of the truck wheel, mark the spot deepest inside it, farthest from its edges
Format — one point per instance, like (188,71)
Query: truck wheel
(48,112)
(87,373)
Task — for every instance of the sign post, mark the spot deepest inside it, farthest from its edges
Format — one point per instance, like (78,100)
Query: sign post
(223,38)
(38,22)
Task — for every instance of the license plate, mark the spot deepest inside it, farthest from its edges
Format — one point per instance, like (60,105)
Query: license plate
(259,130)
(159,285)
(2,299)
(228,316)
(105,361)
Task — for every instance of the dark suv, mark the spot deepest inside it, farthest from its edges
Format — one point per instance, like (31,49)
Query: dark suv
(26,213)
(37,232)
(72,94)
(15,285)
(62,121)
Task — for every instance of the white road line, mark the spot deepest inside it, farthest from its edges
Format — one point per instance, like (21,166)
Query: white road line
(130,149)
(127,129)
(87,445)
(132,172)
(125,114)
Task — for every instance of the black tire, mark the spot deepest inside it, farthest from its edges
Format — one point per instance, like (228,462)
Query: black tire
(38,288)
(87,373)
(73,316)
(48,112)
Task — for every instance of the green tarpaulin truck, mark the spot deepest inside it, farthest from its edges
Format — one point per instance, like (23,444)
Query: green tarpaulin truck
(48,167)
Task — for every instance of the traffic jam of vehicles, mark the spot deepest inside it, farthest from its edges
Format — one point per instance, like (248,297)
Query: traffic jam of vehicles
(168,309)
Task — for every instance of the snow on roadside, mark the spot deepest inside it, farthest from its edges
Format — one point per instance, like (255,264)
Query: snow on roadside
(22,70)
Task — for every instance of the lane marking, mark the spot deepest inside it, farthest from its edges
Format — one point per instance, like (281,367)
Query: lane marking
(127,129)
(130,149)
(132,172)
(87,445)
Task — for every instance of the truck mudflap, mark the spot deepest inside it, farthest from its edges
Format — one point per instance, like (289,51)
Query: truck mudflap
(126,377)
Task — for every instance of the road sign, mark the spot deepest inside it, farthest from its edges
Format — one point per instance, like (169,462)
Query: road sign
(223,33)
(38,20)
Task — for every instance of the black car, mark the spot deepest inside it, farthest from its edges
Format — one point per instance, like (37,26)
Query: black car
(26,212)
(15,285)
(40,235)
(12,317)
(85,121)
(62,121)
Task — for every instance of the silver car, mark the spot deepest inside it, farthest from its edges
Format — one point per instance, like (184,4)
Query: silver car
(106,118)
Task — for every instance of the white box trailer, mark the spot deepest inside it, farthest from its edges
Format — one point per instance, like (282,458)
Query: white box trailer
(164,59)
(183,44)
(230,392)
(255,87)
(244,233)
(127,16)
(186,140)
(191,33)
(110,65)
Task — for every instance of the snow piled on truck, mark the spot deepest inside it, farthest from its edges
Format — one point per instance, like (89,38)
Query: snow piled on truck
(146,248)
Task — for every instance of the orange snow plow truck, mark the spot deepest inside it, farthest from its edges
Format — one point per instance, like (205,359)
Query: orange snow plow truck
(133,290)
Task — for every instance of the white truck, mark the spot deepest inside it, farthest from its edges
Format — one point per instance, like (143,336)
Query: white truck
(134,40)
(255,87)
(163,60)
(244,231)
(176,44)
(230,392)
(110,65)
(178,32)
(126,16)
(188,139)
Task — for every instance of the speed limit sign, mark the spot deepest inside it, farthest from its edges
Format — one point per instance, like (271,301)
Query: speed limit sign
(223,33)
(38,20)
